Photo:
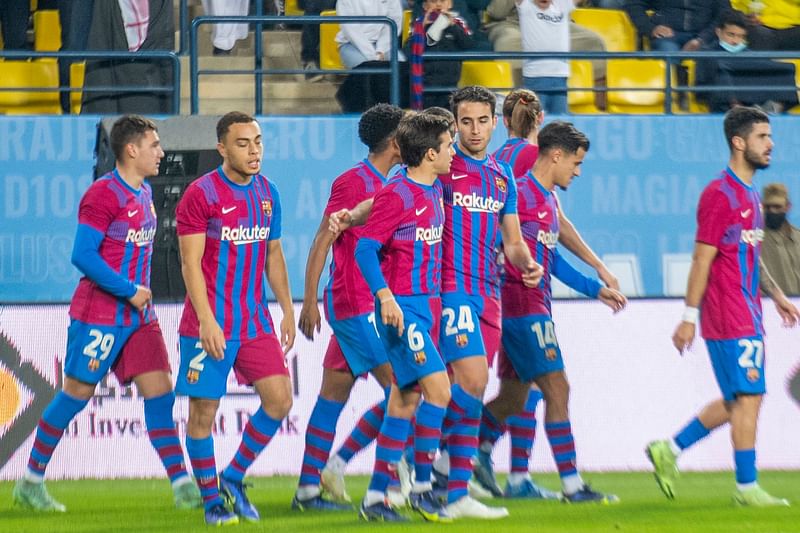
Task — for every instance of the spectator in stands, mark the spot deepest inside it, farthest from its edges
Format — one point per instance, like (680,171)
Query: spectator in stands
(780,249)
(470,11)
(309,43)
(774,24)
(762,73)
(676,24)
(224,36)
(14,17)
(438,29)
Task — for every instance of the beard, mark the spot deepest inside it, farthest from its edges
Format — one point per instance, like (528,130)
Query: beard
(754,160)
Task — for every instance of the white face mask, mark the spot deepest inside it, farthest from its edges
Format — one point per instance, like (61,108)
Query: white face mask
(733,48)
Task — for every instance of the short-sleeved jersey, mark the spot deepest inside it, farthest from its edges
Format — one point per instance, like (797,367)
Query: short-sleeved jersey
(729,218)
(347,294)
(477,194)
(407,218)
(519,154)
(238,222)
(538,219)
(127,219)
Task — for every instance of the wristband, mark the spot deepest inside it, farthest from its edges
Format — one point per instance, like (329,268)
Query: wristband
(389,299)
(690,315)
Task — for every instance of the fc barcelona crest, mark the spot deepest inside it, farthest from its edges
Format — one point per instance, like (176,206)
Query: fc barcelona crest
(461,340)
(550,354)
(192,376)
(93,365)
(753,374)
(501,183)
(420,357)
(266,206)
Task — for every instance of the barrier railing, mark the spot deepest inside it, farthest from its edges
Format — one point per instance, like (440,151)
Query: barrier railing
(258,71)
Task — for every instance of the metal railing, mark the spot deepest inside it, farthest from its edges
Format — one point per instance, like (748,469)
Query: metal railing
(91,55)
(259,72)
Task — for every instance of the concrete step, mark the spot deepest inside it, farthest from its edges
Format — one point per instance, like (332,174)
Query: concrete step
(278,106)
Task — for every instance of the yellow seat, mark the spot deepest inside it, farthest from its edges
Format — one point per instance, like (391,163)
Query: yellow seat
(796,109)
(694,105)
(77,73)
(625,74)
(493,74)
(328,47)
(46,31)
(405,31)
(581,77)
(291,9)
(613,25)
(29,74)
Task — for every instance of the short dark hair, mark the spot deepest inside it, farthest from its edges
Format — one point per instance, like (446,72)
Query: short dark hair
(445,113)
(739,122)
(564,135)
(522,108)
(233,117)
(378,125)
(472,93)
(129,129)
(732,17)
(418,133)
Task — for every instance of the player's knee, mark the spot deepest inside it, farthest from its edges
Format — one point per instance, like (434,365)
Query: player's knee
(279,406)
(474,385)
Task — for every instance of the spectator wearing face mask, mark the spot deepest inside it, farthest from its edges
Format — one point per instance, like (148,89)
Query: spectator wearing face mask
(780,249)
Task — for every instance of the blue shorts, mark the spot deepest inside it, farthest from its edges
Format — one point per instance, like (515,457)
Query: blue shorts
(202,376)
(470,326)
(414,355)
(738,365)
(530,348)
(360,344)
(93,349)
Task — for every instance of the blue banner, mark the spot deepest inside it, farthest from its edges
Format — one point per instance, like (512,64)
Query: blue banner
(636,196)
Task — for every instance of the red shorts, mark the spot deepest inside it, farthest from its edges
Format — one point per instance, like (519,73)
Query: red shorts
(260,358)
(145,351)
(505,370)
(334,357)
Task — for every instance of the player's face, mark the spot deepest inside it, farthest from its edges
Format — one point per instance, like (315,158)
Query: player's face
(568,168)
(241,148)
(441,165)
(758,146)
(437,5)
(475,123)
(148,154)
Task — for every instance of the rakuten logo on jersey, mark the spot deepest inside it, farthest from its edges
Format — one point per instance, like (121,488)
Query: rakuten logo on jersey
(243,235)
(548,238)
(476,204)
(142,237)
(431,235)
(752,236)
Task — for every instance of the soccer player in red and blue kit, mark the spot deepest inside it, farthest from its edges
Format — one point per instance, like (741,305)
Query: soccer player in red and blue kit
(113,327)
(530,351)
(400,254)
(723,290)
(355,347)
(229,229)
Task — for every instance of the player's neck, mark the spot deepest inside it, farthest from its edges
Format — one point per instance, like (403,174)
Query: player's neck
(236,177)
(743,170)
(542,173)
(132,178)
(423,174)
(383,161)
(469,153)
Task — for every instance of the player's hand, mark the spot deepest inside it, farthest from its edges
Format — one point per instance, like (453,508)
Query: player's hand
(212,339)
(309,320)
(141,298)
(391,314)
(608,278)
(612,298)
(661,32)
(532,274)
(787,311)
(683,337)
(340,221)
(288,332)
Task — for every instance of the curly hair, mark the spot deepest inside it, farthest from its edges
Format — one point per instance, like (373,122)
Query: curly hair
(378,125)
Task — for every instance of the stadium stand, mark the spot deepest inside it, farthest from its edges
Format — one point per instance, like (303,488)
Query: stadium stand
(581,101)
(613,25)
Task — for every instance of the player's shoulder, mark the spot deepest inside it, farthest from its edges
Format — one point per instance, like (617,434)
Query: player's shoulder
(107,189)
(503,168)
(719,190)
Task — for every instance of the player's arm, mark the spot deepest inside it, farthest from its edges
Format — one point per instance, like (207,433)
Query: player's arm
(702,258)
(786,309)
(347,218)
(586,285)
(278,278)
(517,251)
(310,319)
(569,237)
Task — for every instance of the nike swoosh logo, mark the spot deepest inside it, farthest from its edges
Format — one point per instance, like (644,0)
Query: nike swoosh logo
(746,213)
(459,176)
(420,211)
(226,210)
(542,214)
(131,213)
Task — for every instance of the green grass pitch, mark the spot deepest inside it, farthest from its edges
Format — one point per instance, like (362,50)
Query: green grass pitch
(703,504)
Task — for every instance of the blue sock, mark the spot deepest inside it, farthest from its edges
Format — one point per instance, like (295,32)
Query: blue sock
(54,421)
(693,432)
(427,433)
(522,430)
(462,444)
(391,440)
(745,466)
(455,410)
(201,455)
(163,435)
(259,431)
(319,439)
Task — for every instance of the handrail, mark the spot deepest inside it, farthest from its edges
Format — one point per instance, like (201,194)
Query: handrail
(393,69)
(90,55)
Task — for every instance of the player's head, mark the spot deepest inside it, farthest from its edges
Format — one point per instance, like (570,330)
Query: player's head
(134,141)
(442,112)
(473,108)
(749,136)
(563,146)
(522,112)
(776,204)
(437,5)
(424,137)
(378,126)
(732,31)
(239,143)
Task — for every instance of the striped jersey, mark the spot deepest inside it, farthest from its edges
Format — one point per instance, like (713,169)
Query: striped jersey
(477,194)
(407,219)
(519,154)
(538,219)
(127,219)
(347,294)
(729,218)
(238,222)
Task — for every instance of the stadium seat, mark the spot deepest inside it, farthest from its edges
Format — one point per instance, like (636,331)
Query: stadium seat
(581,77)
(694,105)
(492,74)
(328,47)
(77,73)
(675,273)
(613,25)
(625,74)
(405,31)
(626,268)
(29,74)
(796,109)
(46,31)
(291,9)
